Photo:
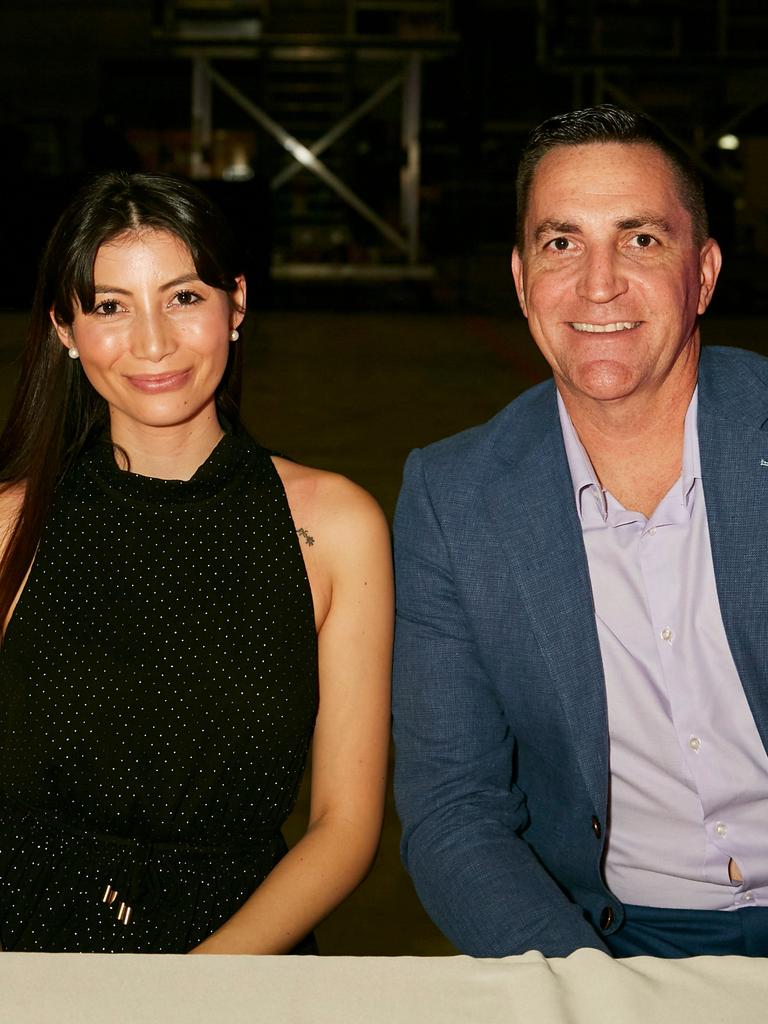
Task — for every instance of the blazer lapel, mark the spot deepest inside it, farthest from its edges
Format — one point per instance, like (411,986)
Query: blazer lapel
(734,462)
(533,507)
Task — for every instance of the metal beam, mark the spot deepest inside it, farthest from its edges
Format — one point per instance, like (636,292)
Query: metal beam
(307,159)
(290,170)
(410,174)
(199,158)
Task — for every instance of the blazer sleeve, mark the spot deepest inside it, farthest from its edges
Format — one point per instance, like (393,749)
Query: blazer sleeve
(462,816)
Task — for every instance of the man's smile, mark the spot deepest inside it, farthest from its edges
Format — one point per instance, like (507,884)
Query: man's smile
(622,325)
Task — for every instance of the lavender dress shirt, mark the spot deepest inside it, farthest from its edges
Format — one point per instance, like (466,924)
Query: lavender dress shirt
(688,771)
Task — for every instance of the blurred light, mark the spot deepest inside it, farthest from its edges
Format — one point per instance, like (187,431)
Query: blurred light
(299,152)
(239,167)
(728,142)
(237,172)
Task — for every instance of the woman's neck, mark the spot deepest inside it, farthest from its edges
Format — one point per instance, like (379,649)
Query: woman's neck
(167,452)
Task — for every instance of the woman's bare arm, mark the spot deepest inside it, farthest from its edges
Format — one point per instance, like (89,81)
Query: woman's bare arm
(11,500)
(349,566)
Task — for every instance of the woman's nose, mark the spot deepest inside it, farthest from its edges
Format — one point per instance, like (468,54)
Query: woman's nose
(153,338)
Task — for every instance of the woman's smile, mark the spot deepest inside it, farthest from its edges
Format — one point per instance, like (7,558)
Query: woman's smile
(151,383)
(156,343)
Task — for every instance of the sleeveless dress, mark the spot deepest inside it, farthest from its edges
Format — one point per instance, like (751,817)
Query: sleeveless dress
(158,692)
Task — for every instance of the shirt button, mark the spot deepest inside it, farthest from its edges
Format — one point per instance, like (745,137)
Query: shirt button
(652,531)
(666,634)
(694,743)
(721,829)
(596,827)
(748,896)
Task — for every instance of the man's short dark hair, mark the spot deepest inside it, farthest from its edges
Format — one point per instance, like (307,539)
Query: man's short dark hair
(607,123)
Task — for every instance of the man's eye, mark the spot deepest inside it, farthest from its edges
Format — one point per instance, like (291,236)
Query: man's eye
(644,241)
(560,244)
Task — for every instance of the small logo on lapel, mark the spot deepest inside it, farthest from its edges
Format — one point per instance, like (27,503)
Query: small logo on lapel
(764,462)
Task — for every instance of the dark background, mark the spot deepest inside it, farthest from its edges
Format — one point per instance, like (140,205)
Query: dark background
(87,86)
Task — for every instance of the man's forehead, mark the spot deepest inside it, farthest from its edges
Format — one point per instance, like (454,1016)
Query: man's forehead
(605,169)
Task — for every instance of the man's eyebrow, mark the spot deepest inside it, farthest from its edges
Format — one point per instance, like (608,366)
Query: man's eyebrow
(644,220)
(635,223)
(556,227)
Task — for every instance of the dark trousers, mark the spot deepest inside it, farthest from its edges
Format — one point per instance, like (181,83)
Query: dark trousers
(658,931)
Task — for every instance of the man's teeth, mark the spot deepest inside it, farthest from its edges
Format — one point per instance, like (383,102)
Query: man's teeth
(625,325)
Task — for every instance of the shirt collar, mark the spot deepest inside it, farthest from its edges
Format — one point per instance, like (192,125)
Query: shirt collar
(585,480)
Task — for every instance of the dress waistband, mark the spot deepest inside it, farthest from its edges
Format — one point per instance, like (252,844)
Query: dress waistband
(135,881)
(54,820)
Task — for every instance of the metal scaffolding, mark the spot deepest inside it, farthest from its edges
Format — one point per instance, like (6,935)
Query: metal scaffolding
(241,31)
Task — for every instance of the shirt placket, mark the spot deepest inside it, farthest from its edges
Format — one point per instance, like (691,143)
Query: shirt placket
(662,546)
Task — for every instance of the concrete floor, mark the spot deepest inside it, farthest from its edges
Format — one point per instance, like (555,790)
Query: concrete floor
(354,392)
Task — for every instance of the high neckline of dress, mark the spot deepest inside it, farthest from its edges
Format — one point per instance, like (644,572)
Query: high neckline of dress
(209,479)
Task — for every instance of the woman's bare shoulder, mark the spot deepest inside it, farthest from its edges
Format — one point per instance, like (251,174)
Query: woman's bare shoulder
(329,500)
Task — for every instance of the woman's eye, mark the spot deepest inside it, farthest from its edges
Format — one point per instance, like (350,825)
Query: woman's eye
(187,298)
(107,308)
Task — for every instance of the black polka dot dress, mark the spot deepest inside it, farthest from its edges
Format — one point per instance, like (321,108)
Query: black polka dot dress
(158,692)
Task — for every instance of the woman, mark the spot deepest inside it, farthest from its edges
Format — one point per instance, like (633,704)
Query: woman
(181,610)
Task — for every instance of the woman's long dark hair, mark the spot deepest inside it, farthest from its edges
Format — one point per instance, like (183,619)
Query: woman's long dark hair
(56,412)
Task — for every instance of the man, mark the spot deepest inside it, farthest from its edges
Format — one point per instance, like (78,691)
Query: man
(581,688)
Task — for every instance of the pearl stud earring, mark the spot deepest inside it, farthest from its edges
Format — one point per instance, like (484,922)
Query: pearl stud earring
(234,334)
(73,353)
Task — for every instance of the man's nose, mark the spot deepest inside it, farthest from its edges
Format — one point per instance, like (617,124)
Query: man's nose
(152,338)
(601,278)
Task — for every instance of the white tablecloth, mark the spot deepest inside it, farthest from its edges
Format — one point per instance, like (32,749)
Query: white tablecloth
(588,987)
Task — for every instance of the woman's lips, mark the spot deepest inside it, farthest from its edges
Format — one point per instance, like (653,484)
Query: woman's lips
(152,383)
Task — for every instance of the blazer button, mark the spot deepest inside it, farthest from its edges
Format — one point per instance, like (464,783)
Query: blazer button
(596,827)
(606,918)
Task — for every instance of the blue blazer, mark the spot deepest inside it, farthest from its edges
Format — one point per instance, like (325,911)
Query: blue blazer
(499,703)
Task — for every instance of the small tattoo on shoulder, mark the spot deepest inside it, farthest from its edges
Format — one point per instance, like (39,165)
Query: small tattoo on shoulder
(303,533)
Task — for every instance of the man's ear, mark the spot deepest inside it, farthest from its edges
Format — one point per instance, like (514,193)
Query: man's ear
(710,261)
(517,276)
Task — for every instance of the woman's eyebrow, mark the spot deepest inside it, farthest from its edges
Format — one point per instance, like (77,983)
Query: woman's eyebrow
(183,279)
(98,288)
